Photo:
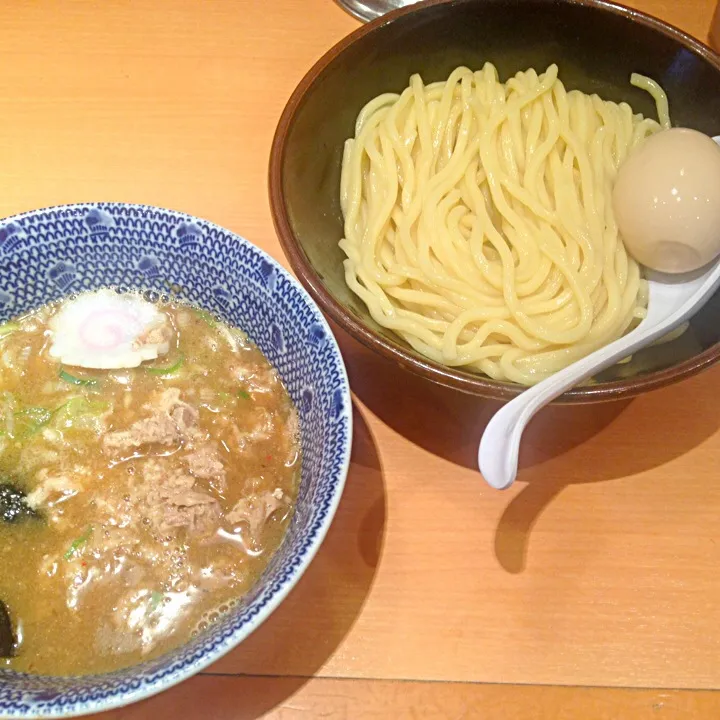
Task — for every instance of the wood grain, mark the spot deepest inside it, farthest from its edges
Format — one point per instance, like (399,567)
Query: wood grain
(599,568)
(247,698)
(596,569)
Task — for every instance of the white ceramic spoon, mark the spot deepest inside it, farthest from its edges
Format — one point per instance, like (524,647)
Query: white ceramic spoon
(673,299)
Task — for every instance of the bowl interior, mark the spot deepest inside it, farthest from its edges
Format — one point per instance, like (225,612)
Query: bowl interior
(596,45)
(48,254)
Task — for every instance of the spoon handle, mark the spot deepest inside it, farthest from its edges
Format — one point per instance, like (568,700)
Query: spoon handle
(500,444)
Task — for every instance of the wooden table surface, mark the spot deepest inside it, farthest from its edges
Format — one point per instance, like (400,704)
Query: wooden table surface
(590,590)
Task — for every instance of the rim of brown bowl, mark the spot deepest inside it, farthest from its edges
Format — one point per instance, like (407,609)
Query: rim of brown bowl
(406,357)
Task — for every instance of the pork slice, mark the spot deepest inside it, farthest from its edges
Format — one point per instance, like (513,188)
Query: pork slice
(205,464)
(170,501)
(159,335)
(160,429)
(172,422)
(263,430)
(256,509)
(185,415)
(197,512)
(164,480)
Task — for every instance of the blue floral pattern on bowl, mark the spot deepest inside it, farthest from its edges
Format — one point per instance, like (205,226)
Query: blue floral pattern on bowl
(46,254)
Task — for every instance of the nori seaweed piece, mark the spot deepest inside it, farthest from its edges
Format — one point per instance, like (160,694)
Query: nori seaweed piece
(13,507)
(7,637)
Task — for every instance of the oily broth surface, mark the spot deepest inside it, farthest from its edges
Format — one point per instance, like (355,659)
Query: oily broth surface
(94,568)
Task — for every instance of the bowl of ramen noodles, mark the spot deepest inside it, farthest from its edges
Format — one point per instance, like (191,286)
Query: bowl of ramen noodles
(442,183)
(175,430)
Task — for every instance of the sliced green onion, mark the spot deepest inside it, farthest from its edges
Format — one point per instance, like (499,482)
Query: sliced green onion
(67,377)
(8,327)
(33,419)
(244,394)
(207,318)
(77,544)
(168,369)
(155,599)
(39,415)
(72,407)
(82,406)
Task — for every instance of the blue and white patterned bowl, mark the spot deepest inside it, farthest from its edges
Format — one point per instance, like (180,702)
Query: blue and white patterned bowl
(45,255)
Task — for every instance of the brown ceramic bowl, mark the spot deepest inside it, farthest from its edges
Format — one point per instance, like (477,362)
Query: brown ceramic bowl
(596,44)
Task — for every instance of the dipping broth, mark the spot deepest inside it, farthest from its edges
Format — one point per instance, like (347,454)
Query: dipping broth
(136,503)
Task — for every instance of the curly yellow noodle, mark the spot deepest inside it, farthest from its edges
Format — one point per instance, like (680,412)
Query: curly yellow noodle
(479,224)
